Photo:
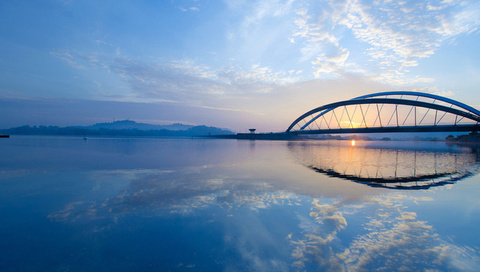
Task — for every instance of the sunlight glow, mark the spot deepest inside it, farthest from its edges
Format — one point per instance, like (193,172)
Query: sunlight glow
(353,143)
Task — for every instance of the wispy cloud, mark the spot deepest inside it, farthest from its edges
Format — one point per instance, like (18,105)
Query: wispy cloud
(183,80)
(70,59)
(397,34)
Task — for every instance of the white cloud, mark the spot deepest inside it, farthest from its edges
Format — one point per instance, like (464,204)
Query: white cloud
(334,65)
(397,35)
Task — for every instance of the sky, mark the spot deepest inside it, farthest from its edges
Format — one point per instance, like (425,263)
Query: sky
(231,64)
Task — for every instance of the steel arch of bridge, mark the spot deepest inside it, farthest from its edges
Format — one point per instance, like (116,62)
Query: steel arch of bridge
(398,106)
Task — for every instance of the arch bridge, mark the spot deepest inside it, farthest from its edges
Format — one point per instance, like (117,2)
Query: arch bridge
(397,111)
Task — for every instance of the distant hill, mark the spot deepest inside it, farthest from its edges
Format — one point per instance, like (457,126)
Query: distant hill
(120,128)
(128,124)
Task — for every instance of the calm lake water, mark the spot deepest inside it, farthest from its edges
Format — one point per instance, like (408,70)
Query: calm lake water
(149,204)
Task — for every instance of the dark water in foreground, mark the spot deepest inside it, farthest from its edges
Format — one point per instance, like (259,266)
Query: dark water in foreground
(144,204)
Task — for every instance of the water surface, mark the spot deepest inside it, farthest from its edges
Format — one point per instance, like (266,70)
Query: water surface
(152,204)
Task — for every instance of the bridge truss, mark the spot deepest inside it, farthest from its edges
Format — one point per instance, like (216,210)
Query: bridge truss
(389,112)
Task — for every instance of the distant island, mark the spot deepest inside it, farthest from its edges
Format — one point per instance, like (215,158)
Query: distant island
(120,128)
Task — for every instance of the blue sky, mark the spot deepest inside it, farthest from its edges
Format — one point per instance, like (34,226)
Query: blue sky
(233,64)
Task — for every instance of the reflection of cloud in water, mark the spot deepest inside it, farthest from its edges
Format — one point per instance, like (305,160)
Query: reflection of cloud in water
(334,235)
(171,192)
(165,194)
(389,167)
(391,240)
(320,238)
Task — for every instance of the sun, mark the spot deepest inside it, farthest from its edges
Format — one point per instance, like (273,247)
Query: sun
(353,142)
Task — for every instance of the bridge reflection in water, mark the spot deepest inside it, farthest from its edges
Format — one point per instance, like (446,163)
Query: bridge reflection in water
(388,165)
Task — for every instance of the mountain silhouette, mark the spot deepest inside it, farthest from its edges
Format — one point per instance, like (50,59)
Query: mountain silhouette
(120,128)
